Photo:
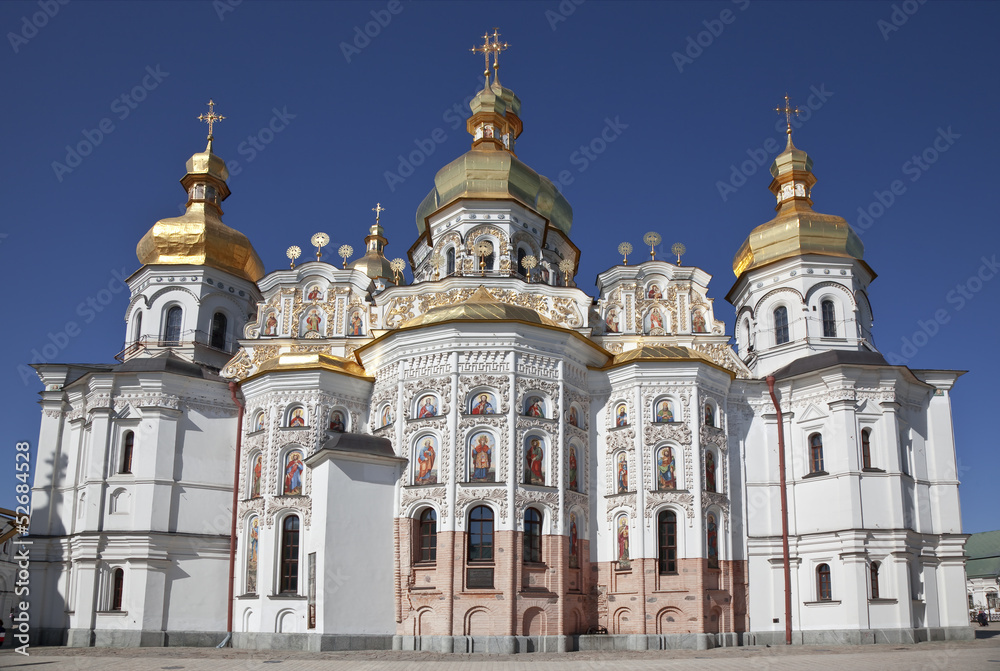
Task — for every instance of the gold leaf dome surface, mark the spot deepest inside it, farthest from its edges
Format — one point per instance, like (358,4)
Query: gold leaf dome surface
(480,306)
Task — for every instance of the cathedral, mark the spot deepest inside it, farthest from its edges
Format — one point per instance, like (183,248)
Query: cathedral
(490,458)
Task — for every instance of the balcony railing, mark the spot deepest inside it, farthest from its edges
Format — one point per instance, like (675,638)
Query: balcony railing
(185,339)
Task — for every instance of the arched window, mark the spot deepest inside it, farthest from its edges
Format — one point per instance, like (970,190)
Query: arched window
(128,441)
(117,588)
(781,325)
(746,334)
(532,535)
(815,453)
(866,448)
(218,336)
(137,328)
(521,253)
(427,536)
(450,261)
(288,575)
(874,573)
(824,591)
(481,534)
(666,540)
(172,328)
(490,258)
(829,319)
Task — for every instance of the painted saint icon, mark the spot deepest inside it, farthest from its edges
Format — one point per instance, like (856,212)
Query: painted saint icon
(574,419)
(482,458)
(427,407)
(258,422)
(386,416)
(337,421)
(709,415)
(255,477)
(314,293)
(698,322)
(426,473)
(297,418)
(654,291)
(666,469)
(623,538)
(573,483)
(710,471)
(252,554)
(535,474)
(535,407)
(271,325)
(622,473)
(712,540)
(621,415)
(484,405)
(313,321)
(574,560)
(293,474)
(664,411)
(655,319)
(357,327)
(611,321)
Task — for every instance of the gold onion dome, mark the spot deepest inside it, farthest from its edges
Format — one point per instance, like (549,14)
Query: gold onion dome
(490,170)
(480,306)
(198,237)
(796,229)
(373,263)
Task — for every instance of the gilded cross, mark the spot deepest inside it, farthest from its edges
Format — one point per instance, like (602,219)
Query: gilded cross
(495,48)
(485,51)
(378,209)
(211,117)
(788,111)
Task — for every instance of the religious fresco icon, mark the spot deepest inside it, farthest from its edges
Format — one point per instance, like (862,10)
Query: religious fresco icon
(481,458)
(426,459)
(534,474)
(483,403)
(534,407)
(427,406)
(293,474)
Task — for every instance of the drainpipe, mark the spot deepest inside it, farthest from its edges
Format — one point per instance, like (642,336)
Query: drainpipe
(233,388)
(786,563)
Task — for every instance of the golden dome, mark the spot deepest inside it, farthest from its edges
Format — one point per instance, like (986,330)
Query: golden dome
(373,263)
(198,237)
(480,306)
(797,229)
(490,170)
(312,361)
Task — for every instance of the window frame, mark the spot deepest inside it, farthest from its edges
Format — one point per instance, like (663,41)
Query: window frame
(666,552)
(288,565)
(828,321)
(117,589)
(427,537)
(866,449)
(824,583)
(218,328)
(782,334)
(475,551)
(128,447)
(816,464)
(173,329)
(532,540)
(873,570)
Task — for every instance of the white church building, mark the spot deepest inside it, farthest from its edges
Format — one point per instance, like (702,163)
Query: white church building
(491,458)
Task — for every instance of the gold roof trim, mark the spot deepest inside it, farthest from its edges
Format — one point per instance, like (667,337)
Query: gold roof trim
(311,361)
(480,306)
(664,353)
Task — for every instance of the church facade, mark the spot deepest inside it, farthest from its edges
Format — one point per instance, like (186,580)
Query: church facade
(490,458)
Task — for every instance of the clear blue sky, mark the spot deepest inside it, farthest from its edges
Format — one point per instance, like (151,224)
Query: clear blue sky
(688,87)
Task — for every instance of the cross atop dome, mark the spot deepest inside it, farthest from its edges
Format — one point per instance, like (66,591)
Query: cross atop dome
(211,118)
(789,111)
(487,48)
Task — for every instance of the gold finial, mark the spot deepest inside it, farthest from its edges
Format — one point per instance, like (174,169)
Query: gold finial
(678,250)
(789,111)
(625,249)
(293,253)
(319,242)
(397,266)
(345,252)
(378,209)
(529,262)
(485,51)
(652,239)
(566,265)
(496,47)
(210,118)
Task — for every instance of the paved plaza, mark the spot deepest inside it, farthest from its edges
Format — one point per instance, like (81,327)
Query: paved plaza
(983,653)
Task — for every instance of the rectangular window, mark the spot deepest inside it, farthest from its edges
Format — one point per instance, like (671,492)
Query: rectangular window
(289,577)
(667,541)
